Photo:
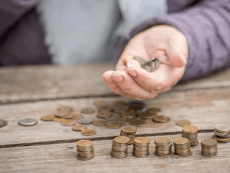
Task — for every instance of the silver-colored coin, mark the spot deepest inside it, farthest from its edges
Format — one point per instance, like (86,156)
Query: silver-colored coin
(151,65)
(27,122)
(223,128)
(85,121)
(140,60)
(3,123)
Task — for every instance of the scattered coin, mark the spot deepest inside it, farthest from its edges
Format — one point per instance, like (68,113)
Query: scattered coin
(128,112)
(99,122)
(99,103)
(85,121)
(59,119)
(103,114)
(113,125)
(183,123)
(87,110)
(65,108)
(118,102)
(154,110)
(48,117)
(3,123)
(137,122)
(136,105)
(76,116)
(119,108)
(112,118)
(161,119)
(68,122)
(61,113)
(27,122)
(79,127)
(88,132)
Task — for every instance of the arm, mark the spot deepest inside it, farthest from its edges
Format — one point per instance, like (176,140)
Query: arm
(207,29)
(13,10)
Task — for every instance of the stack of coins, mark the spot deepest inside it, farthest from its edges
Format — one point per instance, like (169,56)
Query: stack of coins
(191,132)
(130,132)
(141,147)
(209,147)
(120,147)
(163,147)
(222,133)
(85,150)
(182,146)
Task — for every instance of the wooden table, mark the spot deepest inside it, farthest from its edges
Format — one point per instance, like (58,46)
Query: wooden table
(50,147)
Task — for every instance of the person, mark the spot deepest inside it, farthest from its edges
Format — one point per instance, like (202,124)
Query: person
(190,41)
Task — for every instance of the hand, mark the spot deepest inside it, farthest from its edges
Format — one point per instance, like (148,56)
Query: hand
(164,42)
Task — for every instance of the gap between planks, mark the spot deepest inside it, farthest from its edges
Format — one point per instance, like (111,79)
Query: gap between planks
(95,139)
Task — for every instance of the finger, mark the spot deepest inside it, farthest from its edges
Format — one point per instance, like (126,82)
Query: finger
(133,63)
(130,87)
(120,65)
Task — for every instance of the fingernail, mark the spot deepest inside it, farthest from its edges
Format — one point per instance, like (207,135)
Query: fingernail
(133,73)
(119,79)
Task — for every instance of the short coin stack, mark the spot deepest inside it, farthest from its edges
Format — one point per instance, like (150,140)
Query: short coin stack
(163,147)
(182,146)
(141,147)
(85,150)
(120,147)
(209,147)
(130,132)
(191,132)
(222,133)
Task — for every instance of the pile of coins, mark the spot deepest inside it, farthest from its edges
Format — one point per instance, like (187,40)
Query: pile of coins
(163,147)
(182,146)
(141,147)
(191,132)
(209,147)
(222,133)
(130,132)
(85,150)
(120,147)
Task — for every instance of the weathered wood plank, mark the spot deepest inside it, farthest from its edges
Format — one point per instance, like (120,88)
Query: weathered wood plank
(20,84)
(62,158)
(204,108)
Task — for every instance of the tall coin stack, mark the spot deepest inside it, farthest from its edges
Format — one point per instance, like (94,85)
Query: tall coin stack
(85,150)
(191,132)
(141,147)
(163,147)
(130,132)
(209,147)
(120,147)
(182,146)
(222,133)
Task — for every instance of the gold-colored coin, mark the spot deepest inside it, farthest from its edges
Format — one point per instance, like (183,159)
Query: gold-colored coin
(113,125)
(154,110)
(48,117)
(88,132)
(84,143)
(61,113)
(183,123)
(99,122)
(190,129)
(79,127)
(121,139)
(59,119)
(141,140)
(76,116)
(136,122)
(100,103)
(68,122)
(87,110)
(181,140)
(65,108)
(161,119)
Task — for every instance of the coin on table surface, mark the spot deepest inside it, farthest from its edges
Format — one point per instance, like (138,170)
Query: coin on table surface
(66,108)
(85,121)
(136,122)
(59,119)
(3,123)
(153,110)
(113,125)
(222,139)
(100,103)
(68,122)
(76,116)
(183,123)
(112,118)
(99,122)
(61,113)
(103,114)
(88,132)
(136,105)
(161,119)
(223,128)
(27,122)
(87,110)
(48,117)
(79,127)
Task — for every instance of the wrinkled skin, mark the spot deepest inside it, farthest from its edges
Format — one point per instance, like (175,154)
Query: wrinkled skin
(164,42)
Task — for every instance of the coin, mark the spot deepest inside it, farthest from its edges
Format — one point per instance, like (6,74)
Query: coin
(79,127)
(47,117)
(84,143)
(161,119)
(121,139)
(140,60)
(3,123)
(68,123)
(223,128)
(99,122)
(136,105)
(85,121)
(118,102)
(103,114)
(88,132)
(190,129)
(153,110)
(221,139)
(77,116)
(65,108)
(141,140)
(181,140)
(112,118)
(183,123)
(61,113)
(136,122)
(100,103)
(113,125)
(27,122)
(59,119)
(85,150)
(87,110)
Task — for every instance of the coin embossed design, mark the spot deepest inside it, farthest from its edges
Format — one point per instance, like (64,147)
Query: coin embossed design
(68,123)
(48,117)
(161,119)
(27,122)
(79,127)
(113,125)
(87,110)
(85,121)
(99,122)
(88,132)
(3,123)
(183,123)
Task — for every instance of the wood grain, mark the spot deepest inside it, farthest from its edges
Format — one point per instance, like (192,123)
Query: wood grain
(32,83)
(62,158)
(204,108)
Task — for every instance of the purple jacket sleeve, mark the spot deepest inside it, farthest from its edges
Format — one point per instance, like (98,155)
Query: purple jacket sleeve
(13,10)
(207,29)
